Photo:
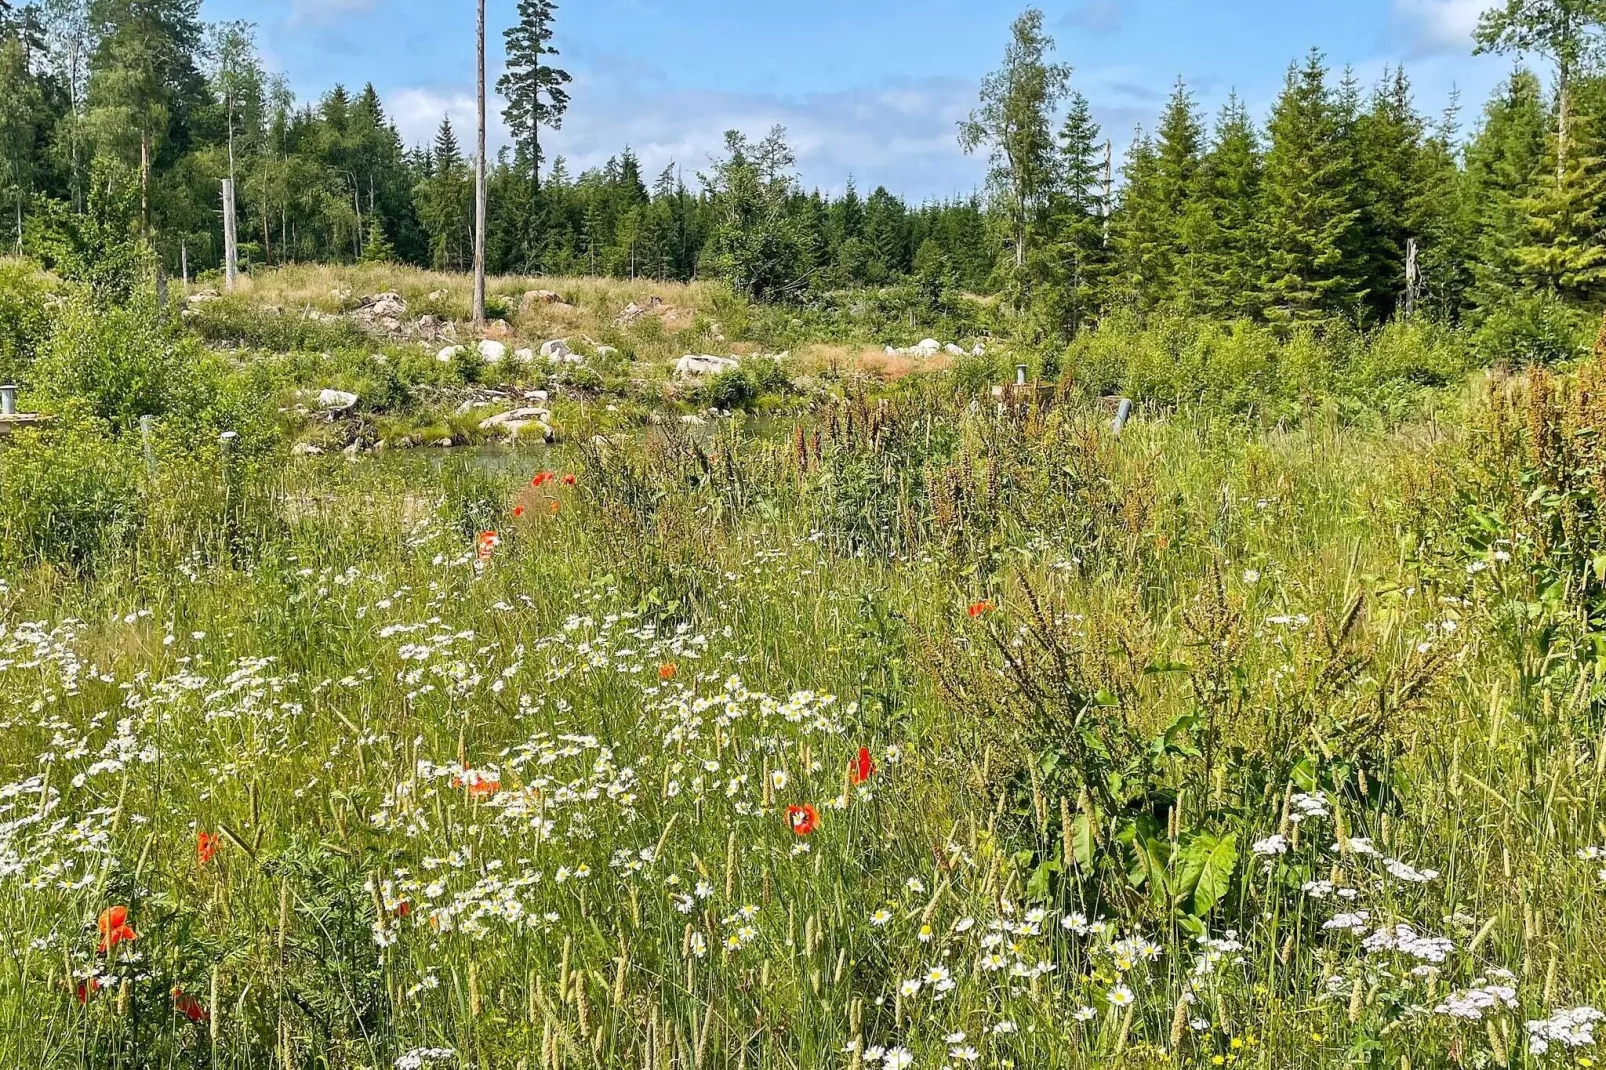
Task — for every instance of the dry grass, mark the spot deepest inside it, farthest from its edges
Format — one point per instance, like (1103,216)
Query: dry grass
(683,322)
(869,361)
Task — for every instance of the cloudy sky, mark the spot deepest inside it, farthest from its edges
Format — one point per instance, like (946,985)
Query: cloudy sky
(871,88)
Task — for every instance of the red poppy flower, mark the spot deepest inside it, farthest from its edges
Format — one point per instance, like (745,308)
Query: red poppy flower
(86,988)
(803,819)
(569,480)
(863,767)
(188,1006)
(403,909)
(542,478)
(518,511)
(977,609)
(555,506)
(114,927)
(488,542)
(205,848)
(667,671)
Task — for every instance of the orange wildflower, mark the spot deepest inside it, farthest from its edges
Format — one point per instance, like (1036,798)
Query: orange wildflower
(114,927)
(205,848)
(863,767)
(803,819)
(188,1006)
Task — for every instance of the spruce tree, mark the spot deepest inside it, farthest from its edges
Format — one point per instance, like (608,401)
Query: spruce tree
(1141,234)
(1564,251)
(1221,228)
(1308,202)
(1388,140)
(1078,258)
(1505,160)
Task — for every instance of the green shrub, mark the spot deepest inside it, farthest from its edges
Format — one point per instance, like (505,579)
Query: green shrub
(73,495)
(24,292)
(1531,329)
(740,387)
(120,362)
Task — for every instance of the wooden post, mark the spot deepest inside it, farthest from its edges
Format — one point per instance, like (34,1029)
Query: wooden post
(230,247)
(479,189)
(1413,277)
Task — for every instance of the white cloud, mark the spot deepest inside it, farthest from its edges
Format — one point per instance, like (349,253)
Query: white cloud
(901,134)
(417,114)
(1439,26)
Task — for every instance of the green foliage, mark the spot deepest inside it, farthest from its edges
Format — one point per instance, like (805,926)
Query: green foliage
(754,244)
(1528,329)
(122,362)
(24,323)
(74,496)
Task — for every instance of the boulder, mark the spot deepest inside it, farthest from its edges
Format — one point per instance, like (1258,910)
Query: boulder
(204,296)
(524,356)
(439,295)
(604,352)
(306,449)
(535,298)
(634,312)
(953,350)
(978,350)
(389,303)
(555,350)
(336,400)
(447,355)
(492,351)
(693,367)
(520,421)
(382,312)
(498,329)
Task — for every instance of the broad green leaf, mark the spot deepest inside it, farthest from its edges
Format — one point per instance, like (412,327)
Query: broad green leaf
(1205,874)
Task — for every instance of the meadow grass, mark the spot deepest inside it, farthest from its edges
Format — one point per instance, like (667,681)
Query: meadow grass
(934,734)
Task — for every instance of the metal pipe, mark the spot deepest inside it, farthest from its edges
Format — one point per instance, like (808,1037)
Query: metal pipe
(1122,415)
(1020,375)
(8,401)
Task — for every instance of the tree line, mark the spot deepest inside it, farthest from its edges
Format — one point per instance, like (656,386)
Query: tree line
(1344,202)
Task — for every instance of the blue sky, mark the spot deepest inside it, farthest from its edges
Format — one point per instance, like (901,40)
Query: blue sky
(868,87)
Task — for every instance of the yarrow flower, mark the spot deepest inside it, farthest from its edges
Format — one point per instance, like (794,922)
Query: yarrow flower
(1573,1028)
(1473,1003)
(1274,844)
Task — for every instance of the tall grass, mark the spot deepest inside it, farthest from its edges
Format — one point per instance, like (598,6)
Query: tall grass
(1203,746)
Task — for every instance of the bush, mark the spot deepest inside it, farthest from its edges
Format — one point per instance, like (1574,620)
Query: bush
(1531,329)
(121,362)
(234,321)
(72,496)
(740,387)
(23,323)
